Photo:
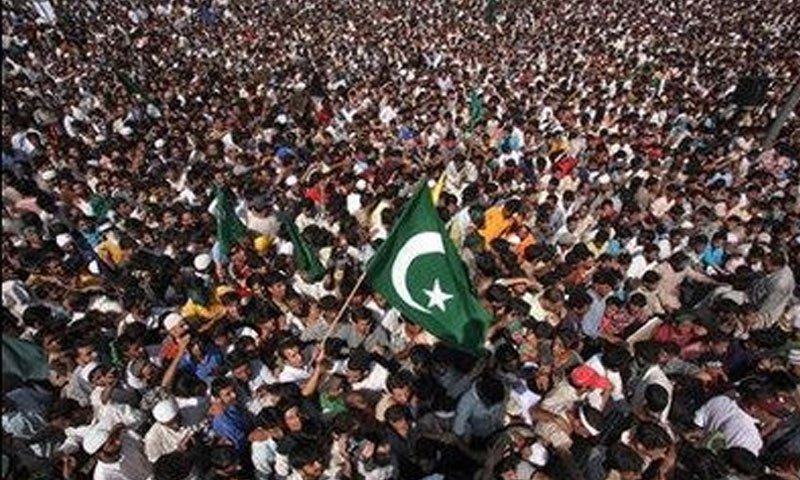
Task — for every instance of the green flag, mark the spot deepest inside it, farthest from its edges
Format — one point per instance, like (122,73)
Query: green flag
(229,228)
(22,361)
(475,109)
(304,256)
(419,272)
(491,11)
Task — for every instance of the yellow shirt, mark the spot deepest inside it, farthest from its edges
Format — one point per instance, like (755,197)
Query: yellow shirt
(495,224)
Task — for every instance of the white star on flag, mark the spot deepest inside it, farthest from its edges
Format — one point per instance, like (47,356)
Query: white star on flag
(437,296)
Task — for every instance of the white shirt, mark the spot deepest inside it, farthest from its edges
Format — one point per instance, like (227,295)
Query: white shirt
(161,440)
(617,392)
(293,374)
(722,414)
(131,465)
(263,455)
(375,380)
(653,375)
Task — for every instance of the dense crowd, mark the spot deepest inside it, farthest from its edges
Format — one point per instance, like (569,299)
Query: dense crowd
(602,177)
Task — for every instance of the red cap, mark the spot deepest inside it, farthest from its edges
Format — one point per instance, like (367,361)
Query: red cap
(585,377)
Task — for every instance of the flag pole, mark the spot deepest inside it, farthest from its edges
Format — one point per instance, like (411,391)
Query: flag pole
(343,308)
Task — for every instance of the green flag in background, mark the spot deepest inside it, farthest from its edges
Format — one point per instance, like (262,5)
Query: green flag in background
(304,257)
(491,11)
(475,109)
(229,228)
(22,361)
(419,272)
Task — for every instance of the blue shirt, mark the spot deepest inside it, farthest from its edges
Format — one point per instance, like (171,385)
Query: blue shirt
(207,368)
(590,323)
(232,425)
(713,256)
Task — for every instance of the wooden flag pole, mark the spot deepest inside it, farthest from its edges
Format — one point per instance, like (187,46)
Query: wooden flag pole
(343,308)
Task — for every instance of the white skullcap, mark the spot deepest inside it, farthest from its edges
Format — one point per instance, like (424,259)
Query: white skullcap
(291,181)
(361,184)
(604,179)
(202,261)
(48,175)
(281,119)
(94,267)
(172,320)
(87,370)
(95,438)
(165,411)
(63,239)
(539,455)
(159,143)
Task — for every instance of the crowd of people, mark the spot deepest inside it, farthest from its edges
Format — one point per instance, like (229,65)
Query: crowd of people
(602,177)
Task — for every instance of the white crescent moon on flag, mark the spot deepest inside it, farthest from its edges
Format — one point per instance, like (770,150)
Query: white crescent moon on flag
(420,244)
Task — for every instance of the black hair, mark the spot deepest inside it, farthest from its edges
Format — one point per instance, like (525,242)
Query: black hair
(222,457)
(173,466)
(219,384)
(616,357)
(623,458)
(743,461)
(490,389)
(303,454)
(269,417)
(652,436)
(396,413)
(399,379)
(360,360)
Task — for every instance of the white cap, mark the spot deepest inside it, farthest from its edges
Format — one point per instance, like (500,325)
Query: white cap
(202,261)
(172,320)
(63,239)
(361,184)
(539,455)
(281,119)
(604,179)
(165,411)
(87,370)
(159,143)
(95,438)
(291,181)
(94,267)
(48,175)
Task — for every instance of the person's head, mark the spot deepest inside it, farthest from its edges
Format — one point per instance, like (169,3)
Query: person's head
(579,302)
(604,282)
(637,304)
(305,459)
(362,320)
(775,261)
(588,422)
(490,390)
(276,285)
(224,462)
(104,442)
(358,365)
(224,390)
(239,364)
(743,461)
(85,352)
(290,354)
(624,460)
(398,417)
(292,418)
(651,439)
(399,385)
(173,466)
(656,399)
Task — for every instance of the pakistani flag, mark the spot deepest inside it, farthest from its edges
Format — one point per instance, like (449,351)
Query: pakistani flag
(229,228)
(22,361)
(475,109)
(419,272)
(304,256)
(491,11)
